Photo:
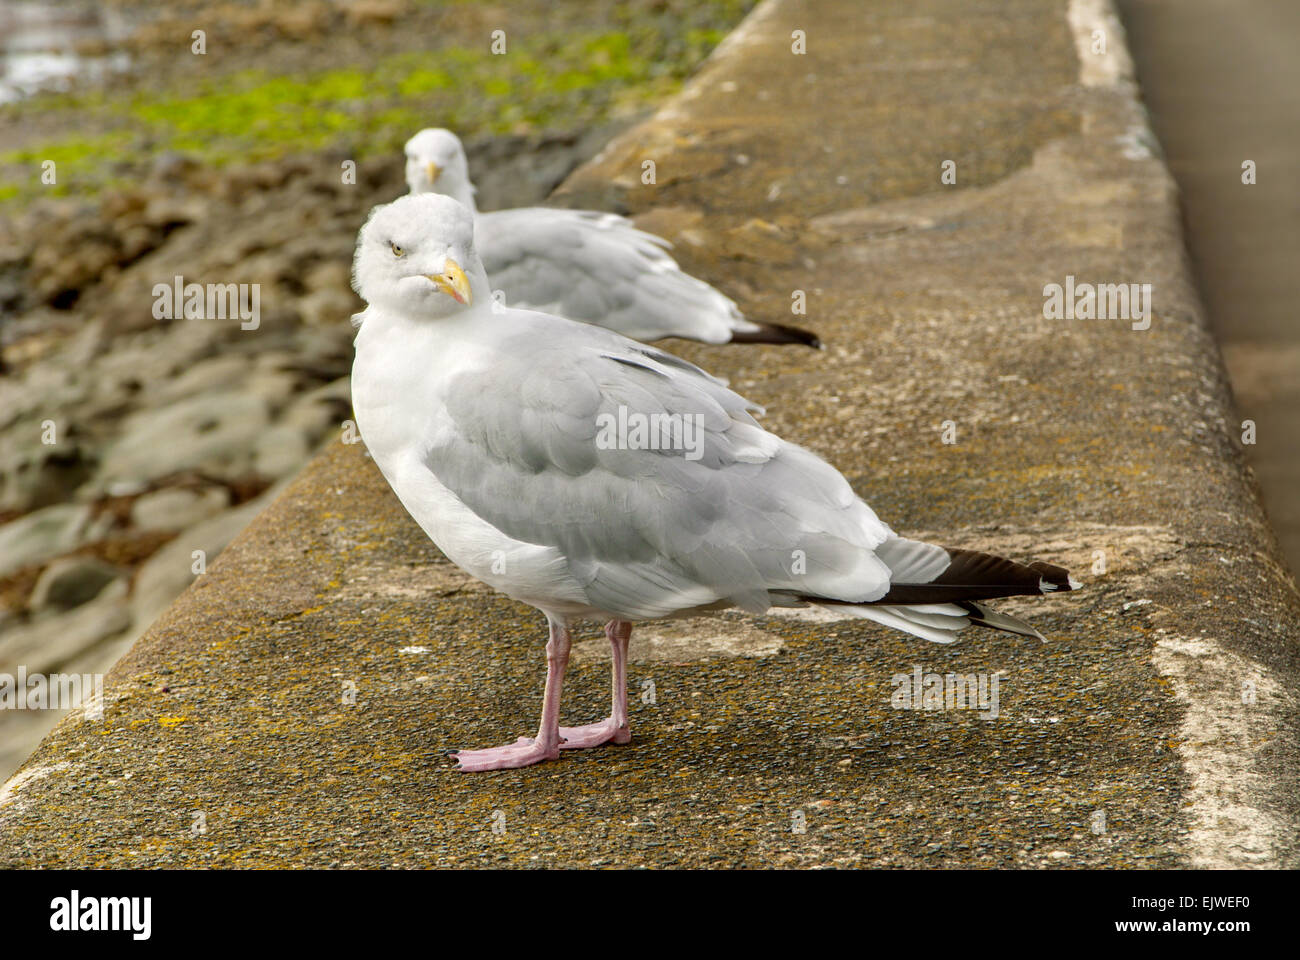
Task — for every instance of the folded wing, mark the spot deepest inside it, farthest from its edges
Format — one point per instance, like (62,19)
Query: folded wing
(651,477)
(599,268)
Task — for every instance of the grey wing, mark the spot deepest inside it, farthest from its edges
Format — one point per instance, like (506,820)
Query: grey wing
(730,512)
(599,268)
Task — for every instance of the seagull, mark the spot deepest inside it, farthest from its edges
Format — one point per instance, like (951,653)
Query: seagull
(525,445)
(587,265)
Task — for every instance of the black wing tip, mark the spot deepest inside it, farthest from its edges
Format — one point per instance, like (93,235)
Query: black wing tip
(1052,578)
(983,616)
(778,334)
(975,575)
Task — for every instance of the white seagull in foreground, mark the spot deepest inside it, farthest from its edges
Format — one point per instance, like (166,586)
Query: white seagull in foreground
(526,446)
(585,265)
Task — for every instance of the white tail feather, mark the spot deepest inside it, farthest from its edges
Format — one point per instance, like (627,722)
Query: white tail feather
(937,622)
(926,622)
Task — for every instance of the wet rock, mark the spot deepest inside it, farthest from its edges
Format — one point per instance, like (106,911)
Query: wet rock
(42,535)
(516,171)
(172,166)
(202,377)
(70,582)
(176,508)
(168,211)
(286,446)
(363,12)
(275,387)
(323,308)
(330,299)
(330,275)
(281,451)
(323,409)
(36,475)
(155,357)
(212,432)
(169,571)
(48,642)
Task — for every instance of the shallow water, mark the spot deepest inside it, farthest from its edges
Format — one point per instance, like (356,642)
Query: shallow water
(41,44)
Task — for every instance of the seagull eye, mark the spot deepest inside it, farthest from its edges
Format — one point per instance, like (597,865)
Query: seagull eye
(397,251)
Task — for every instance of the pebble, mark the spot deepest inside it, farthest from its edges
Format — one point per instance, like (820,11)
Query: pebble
(70,582)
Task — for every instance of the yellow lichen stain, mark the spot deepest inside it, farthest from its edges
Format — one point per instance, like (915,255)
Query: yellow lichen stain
(172,721)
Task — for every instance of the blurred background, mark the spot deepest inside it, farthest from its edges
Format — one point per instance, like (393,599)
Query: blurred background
(127,443)
(1222,84)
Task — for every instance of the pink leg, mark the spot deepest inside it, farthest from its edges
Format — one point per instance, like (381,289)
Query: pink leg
(546,745)
(614,728)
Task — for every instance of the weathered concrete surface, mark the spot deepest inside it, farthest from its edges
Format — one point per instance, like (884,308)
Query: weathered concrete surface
(1077,441)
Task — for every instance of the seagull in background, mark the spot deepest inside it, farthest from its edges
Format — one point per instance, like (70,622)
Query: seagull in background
(511,438)
(585,265)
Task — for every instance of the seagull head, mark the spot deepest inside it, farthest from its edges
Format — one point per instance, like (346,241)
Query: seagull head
(435,163)
(416,256)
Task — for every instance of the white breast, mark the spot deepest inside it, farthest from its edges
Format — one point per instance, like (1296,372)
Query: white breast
(396,380)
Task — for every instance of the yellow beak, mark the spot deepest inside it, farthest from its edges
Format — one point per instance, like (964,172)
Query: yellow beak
(433,171)
(453,282)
